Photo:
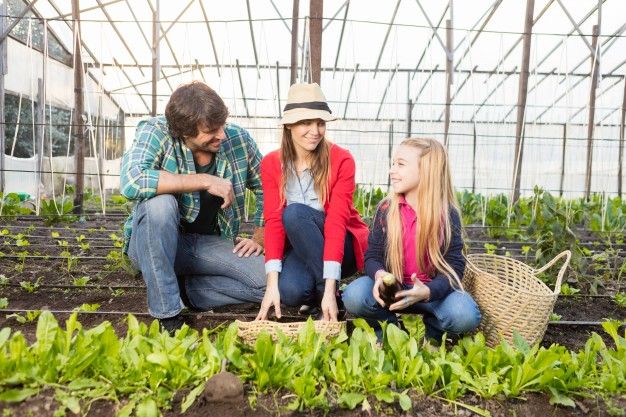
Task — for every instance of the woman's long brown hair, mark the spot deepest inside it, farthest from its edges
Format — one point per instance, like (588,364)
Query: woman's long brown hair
(435,197)
(320,165)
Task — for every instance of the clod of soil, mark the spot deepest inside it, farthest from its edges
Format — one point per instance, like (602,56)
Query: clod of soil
(223,387)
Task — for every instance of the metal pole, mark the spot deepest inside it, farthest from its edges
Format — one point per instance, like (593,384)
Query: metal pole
(294,42)
(621,145)
(595,64)
(280,110)
(563,159)
(474,161)
(79,142)
(315,38)
(156,56)
(449,80)
(389,148)
(3,72)
(40,123)
(521,99)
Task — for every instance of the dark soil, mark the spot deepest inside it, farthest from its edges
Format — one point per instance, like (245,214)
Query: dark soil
(119,291)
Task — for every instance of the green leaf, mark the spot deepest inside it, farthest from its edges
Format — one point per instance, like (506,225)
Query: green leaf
(17,395)
(147,408)
(191,397)
(405,401)
(351,399)
(558,398)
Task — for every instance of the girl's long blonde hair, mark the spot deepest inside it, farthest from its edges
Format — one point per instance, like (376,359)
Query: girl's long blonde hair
(320,165)
(435,198)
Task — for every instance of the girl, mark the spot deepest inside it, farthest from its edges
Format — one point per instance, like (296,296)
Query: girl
(313,234)
(416,236)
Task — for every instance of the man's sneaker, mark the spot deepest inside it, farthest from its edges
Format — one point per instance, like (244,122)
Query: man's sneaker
(171,324)
(307,310)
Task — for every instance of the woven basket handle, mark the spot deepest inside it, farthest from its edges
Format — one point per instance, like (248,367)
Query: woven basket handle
(559,278)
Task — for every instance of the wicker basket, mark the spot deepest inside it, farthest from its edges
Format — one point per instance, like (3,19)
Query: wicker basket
(510,296)
(250,330)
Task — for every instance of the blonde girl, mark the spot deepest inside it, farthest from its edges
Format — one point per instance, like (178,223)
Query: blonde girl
(416,236)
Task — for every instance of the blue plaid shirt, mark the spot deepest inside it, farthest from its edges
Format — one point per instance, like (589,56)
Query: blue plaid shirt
(154,149)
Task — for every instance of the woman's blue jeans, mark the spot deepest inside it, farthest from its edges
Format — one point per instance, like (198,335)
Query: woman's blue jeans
(301,280)
(455,314)
(212,274)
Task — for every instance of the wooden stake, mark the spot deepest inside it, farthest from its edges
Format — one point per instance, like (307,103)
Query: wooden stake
(79,142)
(595,64)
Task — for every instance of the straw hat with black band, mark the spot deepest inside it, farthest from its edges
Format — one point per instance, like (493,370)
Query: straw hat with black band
(306,102)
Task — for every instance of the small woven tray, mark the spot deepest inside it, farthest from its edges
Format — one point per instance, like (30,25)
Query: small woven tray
(250,330)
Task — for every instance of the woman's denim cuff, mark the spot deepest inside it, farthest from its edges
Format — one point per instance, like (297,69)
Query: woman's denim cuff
(332,270)
(273,265)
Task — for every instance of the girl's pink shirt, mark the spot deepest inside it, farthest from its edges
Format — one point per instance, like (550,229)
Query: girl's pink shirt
(409,232)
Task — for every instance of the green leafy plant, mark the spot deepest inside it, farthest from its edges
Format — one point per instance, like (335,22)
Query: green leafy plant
(31,287)
(21,257)
(88,307)
(3,280)
(28,317)
(81,281)
(70,260)
(566,289)
(82,243)
(57,210)
(620,299)
(4,302)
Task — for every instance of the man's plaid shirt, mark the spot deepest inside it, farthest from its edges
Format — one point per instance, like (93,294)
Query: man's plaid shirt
(154,149)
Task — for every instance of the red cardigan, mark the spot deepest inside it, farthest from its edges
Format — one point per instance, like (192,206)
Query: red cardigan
(341,216)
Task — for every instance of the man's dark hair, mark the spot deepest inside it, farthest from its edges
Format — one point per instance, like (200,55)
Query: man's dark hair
(191,105)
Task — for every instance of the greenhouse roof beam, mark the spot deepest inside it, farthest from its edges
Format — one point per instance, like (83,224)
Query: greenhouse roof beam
(256,56)
(343,27)
(335,15)
(91,55)
(119,34)
(8,30)
(545,77)
(164,32)
(508,74)
(613,38)
(382,100)
(345,109)
(148,44)
(443,45)
(419,61)
(490,11)
(134,86)
(281,16)
(88,9)
(617,82)
(165,38)
(519,39)
(208,27)
(469,75)
(580,22)
(425,83)
(576,25)
(382,47)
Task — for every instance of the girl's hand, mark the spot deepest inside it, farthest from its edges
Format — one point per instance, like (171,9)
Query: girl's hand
(407,298)
(271,298)
(378,281)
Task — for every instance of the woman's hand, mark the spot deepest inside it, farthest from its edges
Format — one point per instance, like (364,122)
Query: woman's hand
(271,298)
(329,301)
(407,298)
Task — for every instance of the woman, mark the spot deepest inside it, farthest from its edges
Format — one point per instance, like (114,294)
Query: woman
(416,236)
(313,234)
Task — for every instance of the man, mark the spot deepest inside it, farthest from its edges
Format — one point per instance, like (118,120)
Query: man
(188,171)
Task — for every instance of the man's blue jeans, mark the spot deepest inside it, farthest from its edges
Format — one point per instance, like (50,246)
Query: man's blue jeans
(456,314)
(213,275)
(301,280)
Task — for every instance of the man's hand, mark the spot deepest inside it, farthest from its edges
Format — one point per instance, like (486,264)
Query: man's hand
(407,298)
(246,247)
(222,188)
(271,298)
